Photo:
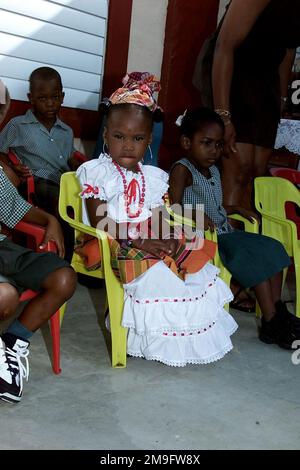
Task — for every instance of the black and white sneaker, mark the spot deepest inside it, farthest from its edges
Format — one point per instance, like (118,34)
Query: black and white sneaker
(12,370)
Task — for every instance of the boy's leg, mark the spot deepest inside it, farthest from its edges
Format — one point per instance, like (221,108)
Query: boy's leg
(56,289)
(55,282)
(9,299)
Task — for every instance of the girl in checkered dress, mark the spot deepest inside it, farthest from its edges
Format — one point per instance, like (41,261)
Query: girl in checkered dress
(173,297)
(253,260)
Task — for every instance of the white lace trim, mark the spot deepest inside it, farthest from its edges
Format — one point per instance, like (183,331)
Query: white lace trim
(215,357)
(288,135)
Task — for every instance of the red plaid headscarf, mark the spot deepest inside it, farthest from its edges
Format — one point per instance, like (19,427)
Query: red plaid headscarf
(139,88)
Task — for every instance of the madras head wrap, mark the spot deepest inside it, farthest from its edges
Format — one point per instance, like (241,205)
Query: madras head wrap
(138,88)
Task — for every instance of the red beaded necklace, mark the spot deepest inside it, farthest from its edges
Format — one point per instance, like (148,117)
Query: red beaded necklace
(130,192)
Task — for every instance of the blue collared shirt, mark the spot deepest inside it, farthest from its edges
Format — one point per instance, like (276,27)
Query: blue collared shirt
(45,152)
(12,206)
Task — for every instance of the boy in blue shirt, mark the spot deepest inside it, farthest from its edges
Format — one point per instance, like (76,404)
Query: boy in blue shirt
(42,142)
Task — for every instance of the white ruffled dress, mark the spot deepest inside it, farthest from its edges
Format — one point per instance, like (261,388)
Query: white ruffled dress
(169,320)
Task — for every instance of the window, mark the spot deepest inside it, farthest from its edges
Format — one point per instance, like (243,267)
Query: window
(68,35)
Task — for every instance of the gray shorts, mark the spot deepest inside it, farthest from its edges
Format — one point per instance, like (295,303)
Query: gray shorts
(25,269)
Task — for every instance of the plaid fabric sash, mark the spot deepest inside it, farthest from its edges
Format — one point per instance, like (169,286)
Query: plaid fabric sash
(129,263)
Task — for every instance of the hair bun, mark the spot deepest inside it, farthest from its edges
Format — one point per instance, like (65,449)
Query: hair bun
(104,106)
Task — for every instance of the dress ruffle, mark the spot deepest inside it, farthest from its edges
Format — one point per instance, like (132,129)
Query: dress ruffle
(185,324)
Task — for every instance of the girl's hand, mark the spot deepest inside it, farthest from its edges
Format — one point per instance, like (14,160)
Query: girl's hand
(158,248)
(229,138)
(54,232)
(172,245)
(250,215)
(209,224)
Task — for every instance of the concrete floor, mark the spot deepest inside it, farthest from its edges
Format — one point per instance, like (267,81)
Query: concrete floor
(248,400)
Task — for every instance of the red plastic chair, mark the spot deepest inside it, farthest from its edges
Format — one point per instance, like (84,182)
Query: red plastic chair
(35,235)
(80,157)
(30,180)
(291,209)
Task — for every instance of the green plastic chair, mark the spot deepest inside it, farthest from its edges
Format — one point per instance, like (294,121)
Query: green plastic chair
(271,195)
(69,198)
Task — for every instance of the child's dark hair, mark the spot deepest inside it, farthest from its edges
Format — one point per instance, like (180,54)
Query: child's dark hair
(105,108)
(44,73)
(194,120)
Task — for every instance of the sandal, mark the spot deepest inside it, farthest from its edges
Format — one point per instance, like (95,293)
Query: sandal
(237,303)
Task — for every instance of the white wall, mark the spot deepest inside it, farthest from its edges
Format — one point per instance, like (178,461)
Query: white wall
(147,36)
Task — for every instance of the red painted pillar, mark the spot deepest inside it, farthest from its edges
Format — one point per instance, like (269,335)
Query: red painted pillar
(189,23)
(117,44)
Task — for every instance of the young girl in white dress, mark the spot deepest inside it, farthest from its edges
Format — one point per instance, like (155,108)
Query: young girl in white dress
(173,297)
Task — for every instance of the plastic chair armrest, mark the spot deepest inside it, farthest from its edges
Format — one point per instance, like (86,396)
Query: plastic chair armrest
(252,227)
(82,227)
(38,233)
(283,222)
(212,236)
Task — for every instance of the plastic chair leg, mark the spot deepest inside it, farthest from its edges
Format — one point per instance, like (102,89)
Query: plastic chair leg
(62,311)
(55,333)
(297,282)
(115,298)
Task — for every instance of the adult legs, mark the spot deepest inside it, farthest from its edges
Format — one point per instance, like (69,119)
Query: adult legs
(261,158)
(239,171)
(237,176)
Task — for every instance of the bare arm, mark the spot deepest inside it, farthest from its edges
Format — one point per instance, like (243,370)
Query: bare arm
(285,71)
(92,206)
(238,22)
(53,229)
(22,171)
(180,178)
(10,173)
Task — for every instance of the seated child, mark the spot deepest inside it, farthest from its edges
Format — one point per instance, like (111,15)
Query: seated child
(173,297)
(21,268)
(253,260)
(43,143)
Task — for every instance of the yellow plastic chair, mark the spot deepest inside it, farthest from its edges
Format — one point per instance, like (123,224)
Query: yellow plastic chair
(69,198)
(271,195)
